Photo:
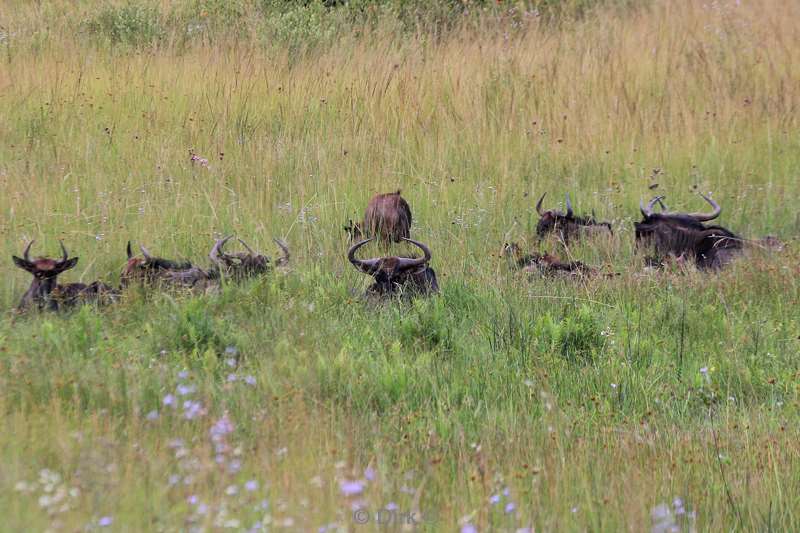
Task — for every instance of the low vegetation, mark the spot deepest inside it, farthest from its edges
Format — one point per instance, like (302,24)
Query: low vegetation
(634,399)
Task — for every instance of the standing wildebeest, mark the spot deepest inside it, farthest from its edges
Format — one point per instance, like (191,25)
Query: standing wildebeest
(388,217)
(567,225)
(545,264)
(684,236)
(397,274)
(46,293)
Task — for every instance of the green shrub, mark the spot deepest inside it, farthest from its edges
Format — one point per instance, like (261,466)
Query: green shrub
(579,337)
(132,24)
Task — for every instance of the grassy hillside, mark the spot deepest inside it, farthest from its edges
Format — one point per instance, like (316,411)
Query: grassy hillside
(505,402)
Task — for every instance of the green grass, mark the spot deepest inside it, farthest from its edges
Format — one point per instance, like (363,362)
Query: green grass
(593,401)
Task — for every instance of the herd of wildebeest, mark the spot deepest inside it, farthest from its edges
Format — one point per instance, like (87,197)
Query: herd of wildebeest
(669,237)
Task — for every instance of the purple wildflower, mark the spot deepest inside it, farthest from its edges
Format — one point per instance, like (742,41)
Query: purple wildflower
(183,390)
(351,488)
(510,507)
(494,499)
(169,400)
(251,485)
(221,428)
(369,473)
(105,521)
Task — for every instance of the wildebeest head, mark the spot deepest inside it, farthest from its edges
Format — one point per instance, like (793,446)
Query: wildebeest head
(44,268)
(388,218)
(45,273)
(241,265)
(397,274)
(567,225)
(148,268)
(685,235)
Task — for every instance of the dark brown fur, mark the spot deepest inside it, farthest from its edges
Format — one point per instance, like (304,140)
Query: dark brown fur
(567,226)
(545,264)
(684,235)
(387,217)
(46,293)
(397,275)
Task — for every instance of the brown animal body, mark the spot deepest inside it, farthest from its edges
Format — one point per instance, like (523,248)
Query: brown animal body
(243,265)
(149,269)
(236,266)
(387,218)
(397,275)
(545,264)
(684,235)
(567,226)
(46,293)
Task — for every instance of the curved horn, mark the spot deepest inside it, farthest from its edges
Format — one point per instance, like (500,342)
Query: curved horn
(664,207)
(539,204)
(28,251)
(647,211)
(406,262)
(368,266)
(249,250)
(569,206)
(704,217)
(217,250)
(145,253)
(130,252)
(284,248)
(64,254)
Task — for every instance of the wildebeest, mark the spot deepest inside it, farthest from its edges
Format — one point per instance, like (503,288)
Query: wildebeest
(241,265)
(387,217)
(397,275)
(46,293)
(685,236)
(566,225)
(545,264)
(148,268)
(236,266)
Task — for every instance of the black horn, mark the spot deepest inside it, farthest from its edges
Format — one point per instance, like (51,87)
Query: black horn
(26,253)
(539,204)
(704,217)
(407,263)
(368,266)
(64,254)
(217,254)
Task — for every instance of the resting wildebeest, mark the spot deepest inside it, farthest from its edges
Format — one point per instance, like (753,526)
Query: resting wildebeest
(388,217)
(567,225)
(148,269)
(545,264)
(684,236)
(395,275)
(46,293)
(236,266)
(242,265)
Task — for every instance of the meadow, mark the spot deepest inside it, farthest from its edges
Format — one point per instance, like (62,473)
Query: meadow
(648,400)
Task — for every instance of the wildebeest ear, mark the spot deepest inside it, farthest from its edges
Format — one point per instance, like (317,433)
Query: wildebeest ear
(66,265)
(24,265)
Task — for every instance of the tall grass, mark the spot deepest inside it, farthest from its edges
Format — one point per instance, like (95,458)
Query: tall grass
(593,402)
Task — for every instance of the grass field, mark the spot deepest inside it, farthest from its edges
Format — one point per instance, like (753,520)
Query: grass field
(637,402)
